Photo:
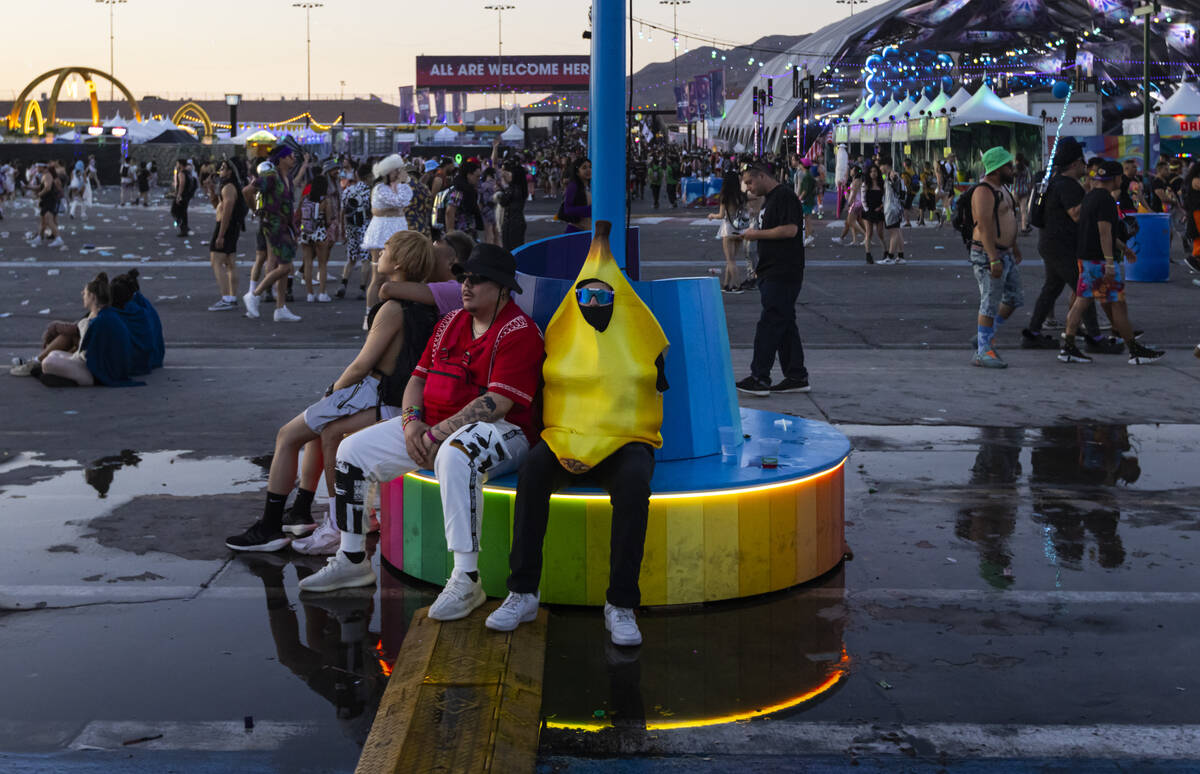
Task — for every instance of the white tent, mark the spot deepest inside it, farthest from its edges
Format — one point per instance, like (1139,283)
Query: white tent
(858,112)
(513,135)
(937,107)
(921,106)
(904,110)
(986,106)
(445,136)
(890,110)
(958,100)
(1185,101)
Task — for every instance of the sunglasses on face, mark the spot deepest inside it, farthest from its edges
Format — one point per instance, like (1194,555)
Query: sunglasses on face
(602,296)
(474,280)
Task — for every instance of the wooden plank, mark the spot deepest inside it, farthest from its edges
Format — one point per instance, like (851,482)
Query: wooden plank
(754,543)
(808,517)
(783,537)
(720,547)
(565,553)
(461,698)
(495,530)
(653,579)
(685,552)
(599,538)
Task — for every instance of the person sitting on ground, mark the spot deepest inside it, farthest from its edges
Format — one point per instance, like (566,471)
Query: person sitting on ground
(155,342)
(467,415)
(369,389)
(603,408)
(104,353)
(143,331)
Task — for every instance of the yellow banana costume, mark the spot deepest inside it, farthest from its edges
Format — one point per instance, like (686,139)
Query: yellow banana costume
(601,387)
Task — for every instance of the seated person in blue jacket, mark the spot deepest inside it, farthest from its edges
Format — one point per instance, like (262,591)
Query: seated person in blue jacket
(144,331)
(104,354)
(370,389)
(154,336)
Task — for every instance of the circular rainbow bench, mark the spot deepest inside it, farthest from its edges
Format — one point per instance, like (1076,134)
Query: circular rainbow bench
(719,528)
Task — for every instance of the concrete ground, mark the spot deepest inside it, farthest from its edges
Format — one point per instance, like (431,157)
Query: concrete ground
(1021,597)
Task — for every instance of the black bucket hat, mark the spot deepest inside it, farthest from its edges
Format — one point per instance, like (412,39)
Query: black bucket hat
(491,262)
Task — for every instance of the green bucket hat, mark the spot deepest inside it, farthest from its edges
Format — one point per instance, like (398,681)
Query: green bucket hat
(995,158)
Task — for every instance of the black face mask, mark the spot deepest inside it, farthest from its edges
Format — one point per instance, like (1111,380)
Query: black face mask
(597,316)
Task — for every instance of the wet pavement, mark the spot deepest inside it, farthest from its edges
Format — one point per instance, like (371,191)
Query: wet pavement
(1010,579)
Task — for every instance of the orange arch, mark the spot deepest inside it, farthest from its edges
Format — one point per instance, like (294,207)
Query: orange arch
(191,108)
(60,75)
(31,110)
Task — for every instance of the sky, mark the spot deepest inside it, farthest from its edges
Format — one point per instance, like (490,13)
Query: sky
(205,48)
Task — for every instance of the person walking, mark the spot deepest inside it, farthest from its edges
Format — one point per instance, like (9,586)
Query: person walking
(356,214)
(1190,194)
(872,210)
(274,186)
(995,255)
(655,175)
(184,187)
(734,215)
(231,221)
(806,191)
(780,278)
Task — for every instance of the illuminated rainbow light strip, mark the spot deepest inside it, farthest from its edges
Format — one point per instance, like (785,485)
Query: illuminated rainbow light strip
(701,546)
(839,673)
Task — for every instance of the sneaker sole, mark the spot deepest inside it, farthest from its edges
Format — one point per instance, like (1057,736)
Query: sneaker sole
(622,643)
(362,580)
(310,550)
(268,547)
(1144,360)
(1073,359)
(790,389)
(300,530)
(755,393)
(460,616)
(523,619)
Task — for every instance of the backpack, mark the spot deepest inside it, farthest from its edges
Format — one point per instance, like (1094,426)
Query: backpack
(1037,206)
(963,221)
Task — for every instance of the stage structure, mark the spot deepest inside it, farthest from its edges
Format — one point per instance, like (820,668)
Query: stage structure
(60,75)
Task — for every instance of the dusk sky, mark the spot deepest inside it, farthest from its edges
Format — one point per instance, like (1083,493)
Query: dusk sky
(177,48)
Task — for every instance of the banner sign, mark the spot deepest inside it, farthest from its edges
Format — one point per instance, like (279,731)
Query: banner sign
(439,102)
(716,94)
(1179,127)
(459,101)
(681,104)
(510,73)
(407,115)
(703,96)
(423,106)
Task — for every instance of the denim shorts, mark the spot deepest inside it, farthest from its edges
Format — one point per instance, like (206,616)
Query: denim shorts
(994,291)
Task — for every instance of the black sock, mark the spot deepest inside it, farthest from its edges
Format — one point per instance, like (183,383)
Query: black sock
(345,281)
(272,517)
(900,254)
(304,500)
(473,575)
(355,556)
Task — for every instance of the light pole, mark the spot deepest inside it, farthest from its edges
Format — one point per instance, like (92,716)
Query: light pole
(851,3)
(308,6)
(111,45)
(233,100)
(499,8)
(675,31)
(1147,12)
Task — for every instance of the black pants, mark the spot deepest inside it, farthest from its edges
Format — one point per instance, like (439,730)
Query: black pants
(656,189)
(777,331)
(671,193)
(625,475)
(179,211)
(1060,274)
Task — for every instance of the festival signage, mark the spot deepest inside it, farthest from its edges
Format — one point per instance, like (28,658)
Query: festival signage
(423,106)
(1179,127)
(716,94)
(938,129)
(1082,119)
(407,115)
(512,73)
(681,104)
(703,93)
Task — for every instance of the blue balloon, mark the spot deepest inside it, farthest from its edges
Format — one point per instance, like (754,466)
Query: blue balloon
(891,53)
(1061,89)
(931,91)
(946,60)
(947,84)
(874,62)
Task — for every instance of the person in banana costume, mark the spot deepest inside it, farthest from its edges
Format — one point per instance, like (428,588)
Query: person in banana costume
(602,411)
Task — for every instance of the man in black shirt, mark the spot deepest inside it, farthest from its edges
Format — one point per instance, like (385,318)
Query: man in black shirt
(1101,274)
(780,236)
(1057,244)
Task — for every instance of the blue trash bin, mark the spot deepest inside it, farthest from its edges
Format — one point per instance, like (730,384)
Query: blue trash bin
(1153,247)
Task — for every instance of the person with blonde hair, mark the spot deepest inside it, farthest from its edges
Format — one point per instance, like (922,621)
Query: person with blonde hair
(390,195)
(369,389)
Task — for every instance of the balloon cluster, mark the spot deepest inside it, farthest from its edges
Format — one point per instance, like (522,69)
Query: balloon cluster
(895,75)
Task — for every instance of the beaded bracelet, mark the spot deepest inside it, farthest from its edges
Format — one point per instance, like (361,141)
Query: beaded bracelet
(410,415)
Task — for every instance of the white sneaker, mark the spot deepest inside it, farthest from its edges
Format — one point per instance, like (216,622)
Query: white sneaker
(310,298)
(23,368)
(222,305)
(252,303)
(836,240)
(622,623)
(340,573)
(887,261)
(367,321)
(282,314)
(810,241)
(458,599)
(514,611)
(898,260)
(324,298)
(324,540)
(58,242)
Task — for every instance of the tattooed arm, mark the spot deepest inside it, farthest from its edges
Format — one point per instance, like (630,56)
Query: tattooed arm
(486,408)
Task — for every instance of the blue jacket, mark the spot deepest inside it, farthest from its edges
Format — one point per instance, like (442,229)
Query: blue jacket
(141,334)
(109,349)
(158,348)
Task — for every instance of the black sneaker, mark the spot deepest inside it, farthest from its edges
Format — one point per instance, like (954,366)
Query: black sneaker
(341,292)
(790,385)
(298,522)
(1105,345)
(258,538)
(1193,263)
(1070,353)
(1141,355)
(755,387)
(1031,340)
(870,258)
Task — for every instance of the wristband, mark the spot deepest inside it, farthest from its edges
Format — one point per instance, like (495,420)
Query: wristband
(431,436)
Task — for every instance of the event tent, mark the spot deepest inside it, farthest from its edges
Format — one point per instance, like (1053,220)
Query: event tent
(985,106)
(445,135)
(959,99)
(513,135)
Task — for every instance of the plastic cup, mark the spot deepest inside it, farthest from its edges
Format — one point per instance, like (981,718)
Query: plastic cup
(729,441)
(769,449)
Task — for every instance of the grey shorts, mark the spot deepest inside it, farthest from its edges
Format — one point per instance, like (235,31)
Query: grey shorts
(994,291)
(345,402)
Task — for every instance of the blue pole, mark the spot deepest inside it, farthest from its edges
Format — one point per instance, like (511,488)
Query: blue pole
(607,119)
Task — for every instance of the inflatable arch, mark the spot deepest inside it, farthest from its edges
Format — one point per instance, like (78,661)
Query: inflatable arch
(60,76)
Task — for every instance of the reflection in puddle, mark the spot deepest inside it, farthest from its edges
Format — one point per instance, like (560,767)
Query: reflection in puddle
(99,474)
